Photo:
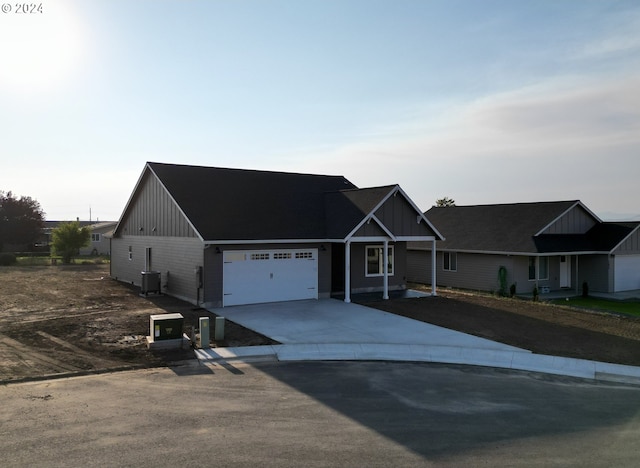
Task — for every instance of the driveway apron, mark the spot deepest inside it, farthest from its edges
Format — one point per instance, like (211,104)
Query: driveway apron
(334,321)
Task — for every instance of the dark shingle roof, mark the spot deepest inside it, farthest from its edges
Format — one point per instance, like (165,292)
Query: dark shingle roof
(513,228)
(495,228)
(238,204)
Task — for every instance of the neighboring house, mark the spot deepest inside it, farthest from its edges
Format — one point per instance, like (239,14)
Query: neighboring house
(100,238)
(99,243)
(552,245)
(222,237)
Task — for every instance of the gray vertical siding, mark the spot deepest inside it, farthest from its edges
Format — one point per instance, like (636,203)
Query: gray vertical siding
(576,221)
(175,258)
(153,213)
(400,217)
(630,246)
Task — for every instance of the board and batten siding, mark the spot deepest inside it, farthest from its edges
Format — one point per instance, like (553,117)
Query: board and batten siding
(361,283)
(152,212)
(399,216)
(175,258)
(575,221)
(631,245)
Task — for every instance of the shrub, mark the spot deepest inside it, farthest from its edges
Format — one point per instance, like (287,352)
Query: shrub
(585,289)
(7,259)
(536,294)
(512,290)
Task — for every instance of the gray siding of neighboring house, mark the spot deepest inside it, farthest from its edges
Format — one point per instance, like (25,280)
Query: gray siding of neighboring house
(631,245)
(594,269)
(576,221)
(213,268)
(100,247)
(478,271)
(154,213)
(175,258)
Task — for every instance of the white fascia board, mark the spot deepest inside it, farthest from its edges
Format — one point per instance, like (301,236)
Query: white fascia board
(370,214)
(578,203)
(415,238)
(420,213)
(270,241)
(135,190)
(511,254)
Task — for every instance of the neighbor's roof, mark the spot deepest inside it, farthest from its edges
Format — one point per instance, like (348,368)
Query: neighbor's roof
(229,204)
(495,228)
(515,228)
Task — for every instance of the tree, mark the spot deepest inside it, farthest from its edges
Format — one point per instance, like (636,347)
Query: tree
(446,201)
(68,238)
(21,220)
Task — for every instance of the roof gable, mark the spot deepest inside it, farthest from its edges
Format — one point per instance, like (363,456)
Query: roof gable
(350,212)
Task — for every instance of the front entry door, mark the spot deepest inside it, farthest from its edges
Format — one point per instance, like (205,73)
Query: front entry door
(565,271)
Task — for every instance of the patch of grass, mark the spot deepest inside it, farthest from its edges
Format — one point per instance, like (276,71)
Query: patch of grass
(604,305)
(46,261)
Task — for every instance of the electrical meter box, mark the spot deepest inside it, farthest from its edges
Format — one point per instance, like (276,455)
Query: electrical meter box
(166,327)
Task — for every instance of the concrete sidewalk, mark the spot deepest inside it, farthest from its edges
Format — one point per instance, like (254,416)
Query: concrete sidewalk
(333,330)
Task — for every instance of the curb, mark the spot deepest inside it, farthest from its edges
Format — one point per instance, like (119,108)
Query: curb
(513,360)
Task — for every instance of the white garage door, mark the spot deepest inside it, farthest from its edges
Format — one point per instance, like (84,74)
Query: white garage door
(255,276)
(627,272)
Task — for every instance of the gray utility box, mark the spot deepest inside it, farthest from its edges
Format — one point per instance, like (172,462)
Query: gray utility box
(166,327)
(150,282)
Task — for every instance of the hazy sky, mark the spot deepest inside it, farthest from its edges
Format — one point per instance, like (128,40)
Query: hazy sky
(481,101)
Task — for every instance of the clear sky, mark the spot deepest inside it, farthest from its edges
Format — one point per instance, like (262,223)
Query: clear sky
(481,101)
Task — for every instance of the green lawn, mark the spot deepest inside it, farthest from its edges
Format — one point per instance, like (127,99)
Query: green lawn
(44,261)
(629,308)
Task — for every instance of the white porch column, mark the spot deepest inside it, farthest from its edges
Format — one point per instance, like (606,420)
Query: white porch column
(347,272)
(433,268)
(385,293)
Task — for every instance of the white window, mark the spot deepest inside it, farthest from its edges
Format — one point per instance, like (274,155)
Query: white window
(450,261)
(544,268)
(130,253)
(375,260)
(95,237)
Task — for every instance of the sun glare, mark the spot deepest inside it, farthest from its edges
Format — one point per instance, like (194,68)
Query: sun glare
(38,49)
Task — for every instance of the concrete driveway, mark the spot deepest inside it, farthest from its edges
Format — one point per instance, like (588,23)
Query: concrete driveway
(334,321)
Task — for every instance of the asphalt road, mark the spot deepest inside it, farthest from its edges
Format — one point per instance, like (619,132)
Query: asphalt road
(317,414)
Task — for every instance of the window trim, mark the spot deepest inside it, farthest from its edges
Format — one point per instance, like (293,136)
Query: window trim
(538,264)
(96,237)
(451,255)
(380,261)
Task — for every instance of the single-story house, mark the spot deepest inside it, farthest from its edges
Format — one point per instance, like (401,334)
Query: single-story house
(550,245)
(221,237)
(100,232)
(100,238)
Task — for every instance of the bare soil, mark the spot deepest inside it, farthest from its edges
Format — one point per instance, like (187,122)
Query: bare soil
(75,318)
(540,327)
(70,319)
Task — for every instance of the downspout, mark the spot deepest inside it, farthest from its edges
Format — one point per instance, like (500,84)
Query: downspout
(385,294)
(433,269)
(347,272)
(577,278)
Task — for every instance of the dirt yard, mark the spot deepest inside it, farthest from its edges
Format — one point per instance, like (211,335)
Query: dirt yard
(66,319)
(537,326)
(63,319)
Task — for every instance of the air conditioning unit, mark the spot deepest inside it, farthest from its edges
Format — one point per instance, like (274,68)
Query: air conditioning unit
(150,282)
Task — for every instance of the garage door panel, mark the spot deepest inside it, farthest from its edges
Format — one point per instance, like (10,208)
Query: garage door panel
(627,273)
(269,276)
